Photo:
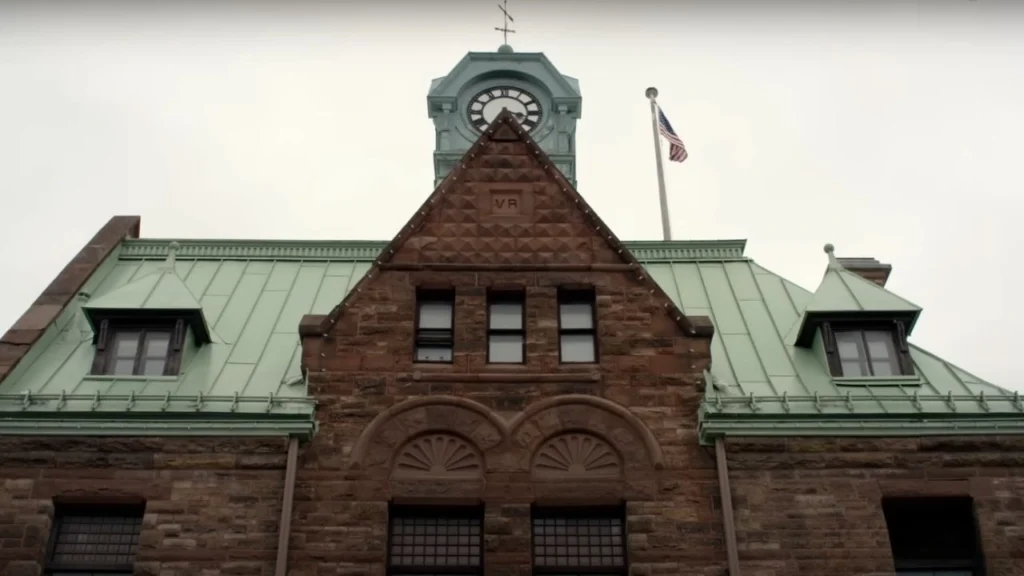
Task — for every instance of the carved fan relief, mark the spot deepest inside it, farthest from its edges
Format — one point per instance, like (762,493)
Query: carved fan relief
(577,455)
(438,455)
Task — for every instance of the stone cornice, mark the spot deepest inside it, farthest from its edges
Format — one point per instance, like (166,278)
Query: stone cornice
(367,250)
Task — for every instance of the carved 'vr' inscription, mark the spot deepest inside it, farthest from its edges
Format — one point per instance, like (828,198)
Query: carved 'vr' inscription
(505,203)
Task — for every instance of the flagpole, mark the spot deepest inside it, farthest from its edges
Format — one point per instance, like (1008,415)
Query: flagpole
(666,228)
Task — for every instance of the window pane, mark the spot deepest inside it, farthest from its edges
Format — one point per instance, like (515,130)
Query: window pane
(883,353)
(153,366)
(506,348)
(576,316)
(849,345)
(436,315)
(123,366)
(126,344)
(433,354)
(578,348)
(157,344)
(854,368)
(507,316)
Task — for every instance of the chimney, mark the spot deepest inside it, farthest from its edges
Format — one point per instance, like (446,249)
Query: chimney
(868,268)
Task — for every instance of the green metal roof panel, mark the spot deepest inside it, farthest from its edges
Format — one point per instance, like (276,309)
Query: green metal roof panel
(253,295)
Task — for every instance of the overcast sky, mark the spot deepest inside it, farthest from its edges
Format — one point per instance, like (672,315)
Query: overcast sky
(891,129)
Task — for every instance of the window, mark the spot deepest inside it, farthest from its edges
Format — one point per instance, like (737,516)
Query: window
(434,322)
(139,348)
(867,351)
(576,326)
(506,330)
(933,536)
(435,540)
(579,541)
(94,540)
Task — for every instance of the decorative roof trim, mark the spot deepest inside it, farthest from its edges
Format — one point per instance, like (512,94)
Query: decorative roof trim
(368,250)
(844,408)
(303,429)
(170,406)
(313,250)
(505,128)
(861,427)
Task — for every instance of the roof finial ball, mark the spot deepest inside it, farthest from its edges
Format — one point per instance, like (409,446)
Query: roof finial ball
(831,251)
(505,49)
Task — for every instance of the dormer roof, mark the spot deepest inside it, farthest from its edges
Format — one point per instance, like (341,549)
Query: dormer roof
(843,295)
(158,295)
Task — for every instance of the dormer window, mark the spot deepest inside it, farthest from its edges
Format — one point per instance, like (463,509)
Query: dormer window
(867,351)
(138,348)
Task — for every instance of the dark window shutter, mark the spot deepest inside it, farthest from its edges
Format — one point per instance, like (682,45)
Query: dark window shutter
(831,352)
(99,361)
(173,365)
(903,349)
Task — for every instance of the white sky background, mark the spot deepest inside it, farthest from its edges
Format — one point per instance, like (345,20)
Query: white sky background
(891,129)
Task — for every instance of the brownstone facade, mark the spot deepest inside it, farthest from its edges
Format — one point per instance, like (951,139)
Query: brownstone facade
(634,411)
(621,430)
(814,506)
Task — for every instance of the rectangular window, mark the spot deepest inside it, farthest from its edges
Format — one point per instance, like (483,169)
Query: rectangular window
(139,349)
(506,328)
(577,326)
(875,351)
(435,311)
(579,541)
(435,540)
(90,540)
(933,536)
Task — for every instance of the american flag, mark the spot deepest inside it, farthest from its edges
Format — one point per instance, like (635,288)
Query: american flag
(676,149)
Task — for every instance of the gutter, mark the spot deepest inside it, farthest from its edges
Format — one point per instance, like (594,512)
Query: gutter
(285,525)
(728,519)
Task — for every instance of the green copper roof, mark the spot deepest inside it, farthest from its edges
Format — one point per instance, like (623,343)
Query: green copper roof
(161,290)
(253,294)
(842,292)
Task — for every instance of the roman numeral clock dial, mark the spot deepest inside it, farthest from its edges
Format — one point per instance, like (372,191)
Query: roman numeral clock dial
(488,103)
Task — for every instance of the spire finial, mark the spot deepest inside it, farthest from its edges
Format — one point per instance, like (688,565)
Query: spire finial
(172,253)
(505,30)
(831,251)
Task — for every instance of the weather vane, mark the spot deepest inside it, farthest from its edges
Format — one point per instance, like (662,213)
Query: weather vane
(508,18)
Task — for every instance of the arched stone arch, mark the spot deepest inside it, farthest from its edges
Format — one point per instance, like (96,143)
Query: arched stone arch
(398,424)
(560,414)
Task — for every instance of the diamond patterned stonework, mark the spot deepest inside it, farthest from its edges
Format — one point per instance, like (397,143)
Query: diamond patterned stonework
(576,456)
(508,208)
(438,455)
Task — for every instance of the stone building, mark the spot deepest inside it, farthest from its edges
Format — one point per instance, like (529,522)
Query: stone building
(504,388)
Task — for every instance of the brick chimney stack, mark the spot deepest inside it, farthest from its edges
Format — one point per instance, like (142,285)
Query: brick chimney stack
(868,268)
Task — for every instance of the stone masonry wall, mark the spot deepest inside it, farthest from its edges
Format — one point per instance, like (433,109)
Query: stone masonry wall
(505,218)
(212,505)
(374,402)
(814,506)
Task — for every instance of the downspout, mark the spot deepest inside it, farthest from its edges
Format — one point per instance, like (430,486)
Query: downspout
(284,530)
(731,551)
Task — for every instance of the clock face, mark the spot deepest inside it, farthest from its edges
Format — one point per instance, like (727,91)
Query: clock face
(487,104)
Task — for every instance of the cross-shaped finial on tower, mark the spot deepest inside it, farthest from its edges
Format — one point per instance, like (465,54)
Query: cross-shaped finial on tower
(508,18)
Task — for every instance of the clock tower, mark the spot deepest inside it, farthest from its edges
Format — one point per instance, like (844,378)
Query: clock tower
(544,101)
